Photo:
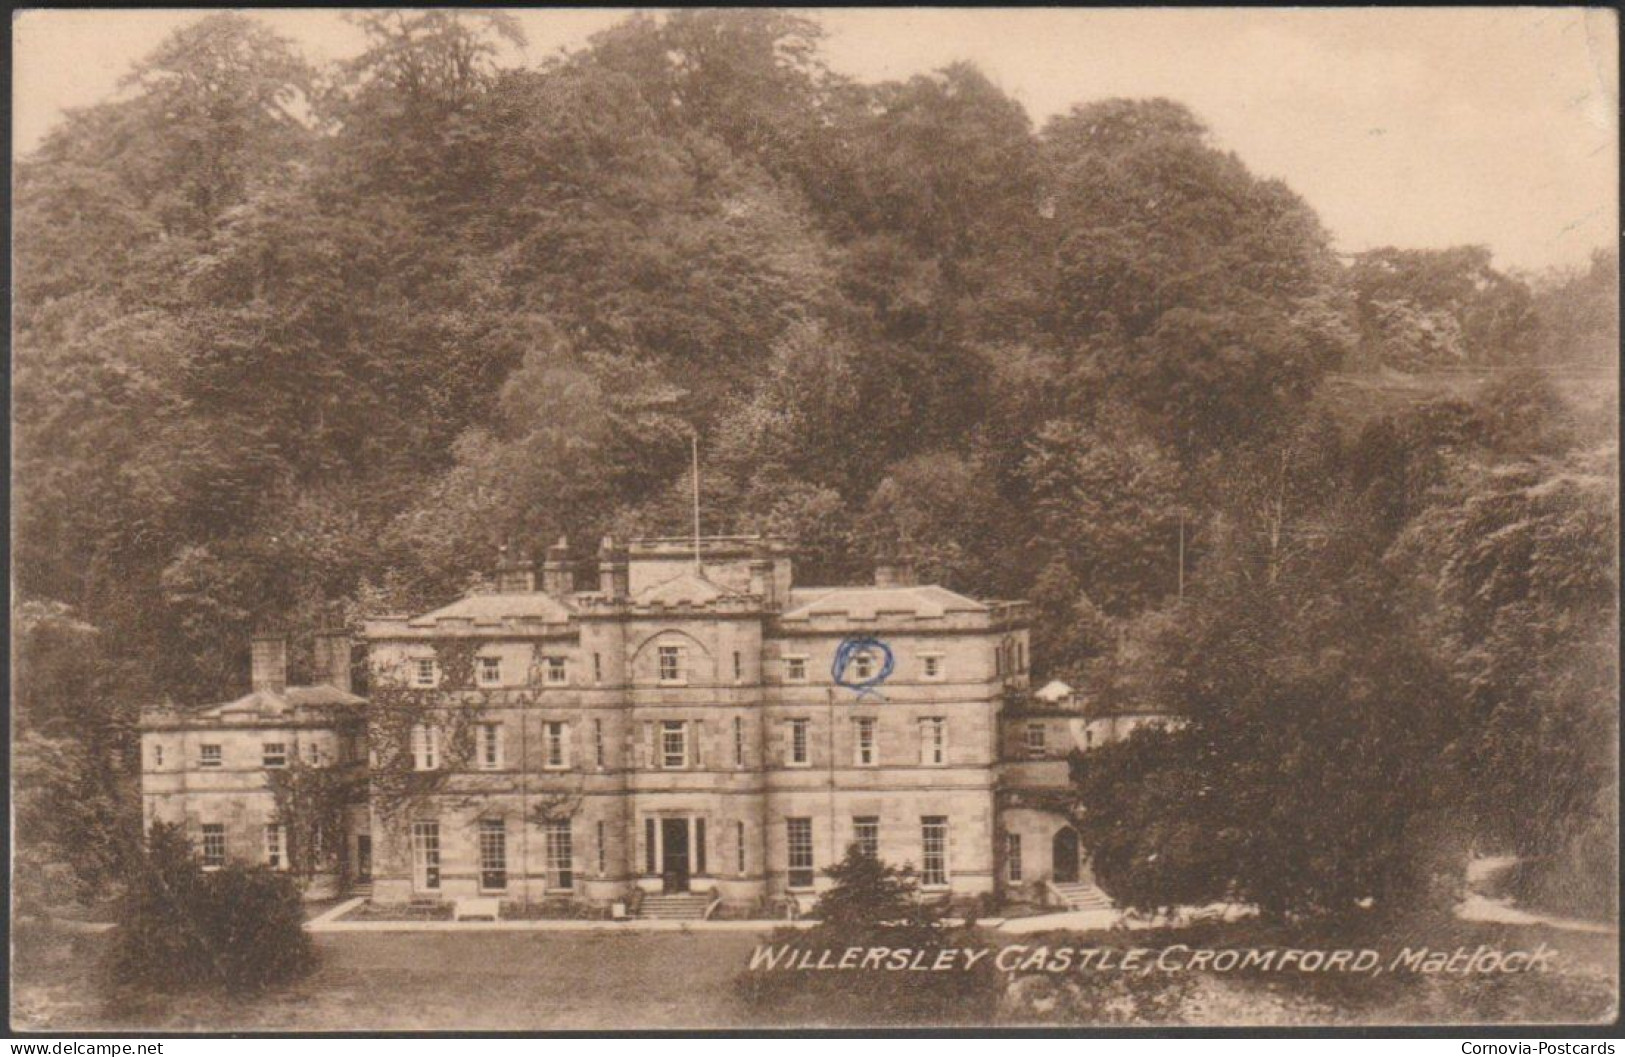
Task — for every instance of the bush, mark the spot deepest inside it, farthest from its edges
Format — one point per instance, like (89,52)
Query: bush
(182,928)
(874,997)
(869,893)
(873,904)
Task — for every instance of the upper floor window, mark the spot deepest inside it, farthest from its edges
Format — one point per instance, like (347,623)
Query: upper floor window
(554,670)
(214,845)
(1035,738)
(157,755)
(1021,656)
(208,756)
(425,672)
(597,668)
(671,664)
(313,753)
(490,671)
(934,741)
(557,743)
(931,666)
(673,745)
(739,742)
(863,666)
(795,669)
(598,743)
(865,750)
(739,666)
(274,754)
(799,744)
(488,746)
(425,747)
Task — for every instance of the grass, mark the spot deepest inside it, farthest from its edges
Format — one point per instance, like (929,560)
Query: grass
(1582,988)
(607,981)
(428,981)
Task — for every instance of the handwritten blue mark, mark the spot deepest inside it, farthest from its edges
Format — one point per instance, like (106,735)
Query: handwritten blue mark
(848,651)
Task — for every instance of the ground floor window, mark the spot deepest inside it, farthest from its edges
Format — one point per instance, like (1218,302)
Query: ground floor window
(866,835)
(739,834)
(800,844)
(276,853)
(560,873)
(934,850)
(214,845)
(426,856)
(601,850)
(493,854)
(1012,857)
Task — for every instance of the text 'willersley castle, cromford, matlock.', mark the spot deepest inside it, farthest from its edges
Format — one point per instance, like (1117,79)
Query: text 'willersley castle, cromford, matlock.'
(694,731)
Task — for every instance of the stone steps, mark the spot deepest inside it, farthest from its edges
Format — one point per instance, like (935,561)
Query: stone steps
(690,907)
(1083,897)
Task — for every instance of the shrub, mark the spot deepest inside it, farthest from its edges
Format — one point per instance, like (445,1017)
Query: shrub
(181,928)
(868,892)
(873,904)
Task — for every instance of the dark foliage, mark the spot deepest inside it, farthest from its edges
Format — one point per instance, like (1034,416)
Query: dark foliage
(872,905)
(181,927)
(294,340)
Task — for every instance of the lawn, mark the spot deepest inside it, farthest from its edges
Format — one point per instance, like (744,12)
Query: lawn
(406,981)
(424,981)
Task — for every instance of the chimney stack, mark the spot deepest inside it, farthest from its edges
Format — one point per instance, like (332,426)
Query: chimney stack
(763,584)
(894,568)
(558,579)
(269,668)
(612,571)
(514,575)
(332,658)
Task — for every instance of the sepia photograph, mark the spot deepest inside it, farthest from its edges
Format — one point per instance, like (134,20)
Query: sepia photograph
(773,521)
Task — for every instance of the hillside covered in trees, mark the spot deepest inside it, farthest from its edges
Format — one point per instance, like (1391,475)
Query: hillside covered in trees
(295,344)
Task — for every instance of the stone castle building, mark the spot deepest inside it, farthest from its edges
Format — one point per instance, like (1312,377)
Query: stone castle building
(690,722)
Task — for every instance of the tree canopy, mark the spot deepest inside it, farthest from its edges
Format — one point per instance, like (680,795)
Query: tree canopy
(292,340)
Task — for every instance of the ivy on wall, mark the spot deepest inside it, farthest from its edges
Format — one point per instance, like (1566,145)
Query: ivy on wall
(455,708)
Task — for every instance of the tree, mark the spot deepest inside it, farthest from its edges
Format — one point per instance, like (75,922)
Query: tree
(872,904)
(77,810)
(1579,313)
(1317,769)
(1108,506)
(868,893)
(225,94)
(1421,309)
(1515,573)
(180,928)
(942,510)
(1189,288)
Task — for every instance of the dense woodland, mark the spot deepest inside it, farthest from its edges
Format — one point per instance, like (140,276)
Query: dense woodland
(297,344)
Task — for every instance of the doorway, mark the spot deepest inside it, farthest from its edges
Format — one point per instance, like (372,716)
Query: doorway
(363,858)
(674,854)
(1064,850)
